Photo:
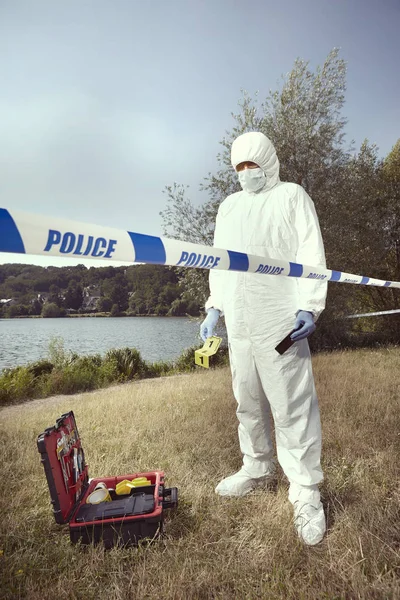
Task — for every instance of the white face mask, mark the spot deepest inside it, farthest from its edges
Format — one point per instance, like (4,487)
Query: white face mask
(252,180)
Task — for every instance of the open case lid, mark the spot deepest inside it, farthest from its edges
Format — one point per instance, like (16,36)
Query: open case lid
(64,464)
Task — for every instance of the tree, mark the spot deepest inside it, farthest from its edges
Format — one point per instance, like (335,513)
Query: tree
(136,304)
(169,294)
(15,310)
(104,304)
(369,222)
(153,286)
(178,308)
(115,311)
(54,295)
(116,289)
(51,310)
(35,308)
(383,248)
(73,296)
(304,122)
(391,207)
(161,310)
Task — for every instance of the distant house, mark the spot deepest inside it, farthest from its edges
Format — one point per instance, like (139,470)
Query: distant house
(8,301)
(91,295)
(43,298)
(90,302)
(91,290)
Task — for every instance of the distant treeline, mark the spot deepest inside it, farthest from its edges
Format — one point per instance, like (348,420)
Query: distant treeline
(28,290)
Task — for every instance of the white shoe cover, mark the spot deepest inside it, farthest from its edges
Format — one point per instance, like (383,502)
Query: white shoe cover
(241,483)
(310,522)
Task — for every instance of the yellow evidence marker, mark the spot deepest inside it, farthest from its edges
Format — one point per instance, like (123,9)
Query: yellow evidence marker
(202,356)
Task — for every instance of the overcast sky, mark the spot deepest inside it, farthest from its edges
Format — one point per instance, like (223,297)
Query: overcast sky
(105,102)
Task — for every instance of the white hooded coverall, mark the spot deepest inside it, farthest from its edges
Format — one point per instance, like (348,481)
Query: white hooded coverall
(278,222)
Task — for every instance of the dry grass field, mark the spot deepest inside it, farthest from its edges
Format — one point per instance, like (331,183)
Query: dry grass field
(213,548)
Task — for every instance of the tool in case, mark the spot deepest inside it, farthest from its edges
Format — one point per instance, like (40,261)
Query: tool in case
(119,510)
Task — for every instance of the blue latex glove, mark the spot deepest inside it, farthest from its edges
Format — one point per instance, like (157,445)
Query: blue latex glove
(305,321)
(208,325)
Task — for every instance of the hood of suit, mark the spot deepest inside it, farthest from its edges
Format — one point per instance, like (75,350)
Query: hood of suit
(256,147)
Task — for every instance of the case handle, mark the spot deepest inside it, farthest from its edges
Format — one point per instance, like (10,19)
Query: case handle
(170,498)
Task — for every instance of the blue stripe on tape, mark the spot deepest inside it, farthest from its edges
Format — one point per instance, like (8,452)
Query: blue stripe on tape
(335,276)
(148,249)
(387,284)
(364,281)
(296,270)
(10,238)
(238,261)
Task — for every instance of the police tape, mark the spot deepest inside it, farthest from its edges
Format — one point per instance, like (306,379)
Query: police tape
(26,233)
(374,314)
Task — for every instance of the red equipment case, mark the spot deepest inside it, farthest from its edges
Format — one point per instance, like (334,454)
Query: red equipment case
(123,521)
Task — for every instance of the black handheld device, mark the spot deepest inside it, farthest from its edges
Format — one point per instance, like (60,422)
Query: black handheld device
(286,342)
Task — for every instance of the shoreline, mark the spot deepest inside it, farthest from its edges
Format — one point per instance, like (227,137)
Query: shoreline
(98,316)
(32,403)
(65,372)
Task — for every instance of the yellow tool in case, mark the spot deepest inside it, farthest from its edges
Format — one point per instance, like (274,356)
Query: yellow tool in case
(202,356)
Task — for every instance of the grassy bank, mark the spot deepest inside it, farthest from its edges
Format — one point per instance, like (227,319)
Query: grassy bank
(65,372)
(213,548)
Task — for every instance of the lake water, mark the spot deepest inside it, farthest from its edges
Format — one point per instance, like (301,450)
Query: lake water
(157,338)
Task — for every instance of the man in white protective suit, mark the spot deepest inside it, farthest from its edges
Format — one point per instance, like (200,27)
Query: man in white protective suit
(270,218)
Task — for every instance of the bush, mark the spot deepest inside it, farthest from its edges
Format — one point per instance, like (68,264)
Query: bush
(51,310)
(115,311)
(185,362)
(221,359)
(35,308)
(128,362)
(81,375)
(104,304)
(193,308)
(16,384)
(159,369)
(335,332)
(41,367)
(15,310)
(86,362)
(57,353)
(69,373)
